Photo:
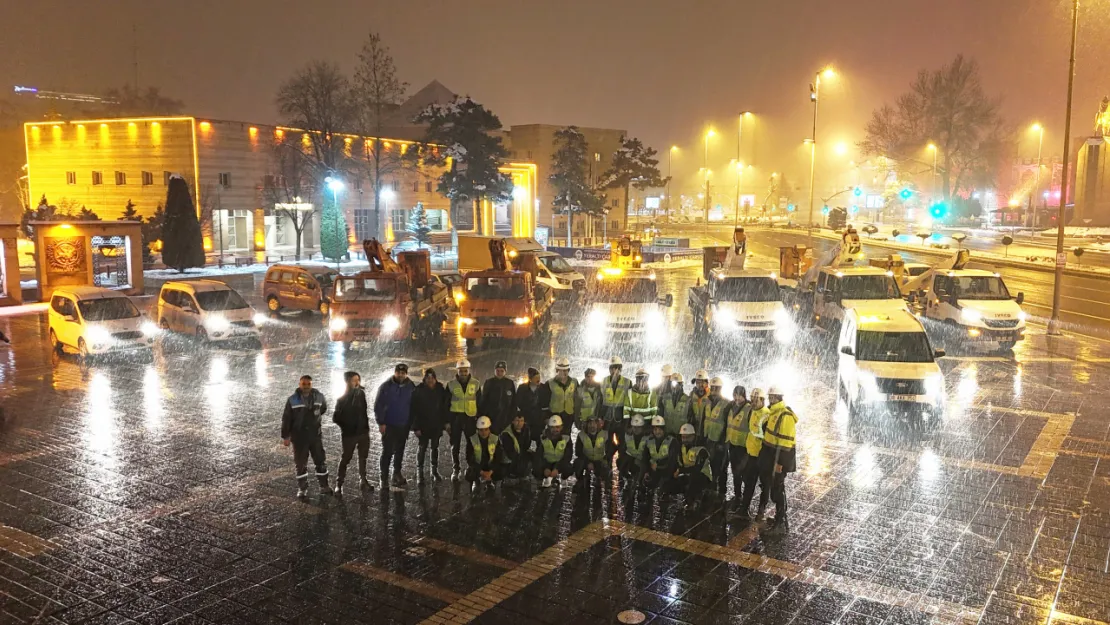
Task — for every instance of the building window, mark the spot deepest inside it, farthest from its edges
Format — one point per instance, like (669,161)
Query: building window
(364,223)
(71,177)
(225,179)
(166,178)
(121,178)
(396,185)
(428,186)
(415,186)
(529,154)
(97,177)
(616,202)
(148,178)
(399,220)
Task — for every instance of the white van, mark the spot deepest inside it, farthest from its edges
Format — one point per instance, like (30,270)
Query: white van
(974,305)
(207,309)
(95,320)
(624,306)
(887,363)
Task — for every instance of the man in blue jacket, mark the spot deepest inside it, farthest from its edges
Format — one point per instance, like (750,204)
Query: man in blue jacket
(300,425)
(393,412)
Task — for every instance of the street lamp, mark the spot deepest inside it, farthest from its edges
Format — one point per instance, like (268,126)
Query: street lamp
(932,147)
(705,161)
(739,174)
(335,185)
(739,137)
(814,95)
(670,152)
(1061,256)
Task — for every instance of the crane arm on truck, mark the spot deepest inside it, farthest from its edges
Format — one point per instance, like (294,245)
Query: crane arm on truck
(956,261)
(498,255)
(844,254)
(738,250)
(379,258)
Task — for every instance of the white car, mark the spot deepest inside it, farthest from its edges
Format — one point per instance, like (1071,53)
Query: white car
(840,290)
(624,306)
(888,364)
(741,304)
(975,305)
(95,320)
(207,309)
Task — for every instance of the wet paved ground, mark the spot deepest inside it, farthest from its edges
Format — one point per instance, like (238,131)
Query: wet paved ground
(159,492)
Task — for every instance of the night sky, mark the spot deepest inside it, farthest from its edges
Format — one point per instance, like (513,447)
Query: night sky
(663,70)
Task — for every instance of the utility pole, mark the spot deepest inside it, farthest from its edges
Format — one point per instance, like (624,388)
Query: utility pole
(1061,257)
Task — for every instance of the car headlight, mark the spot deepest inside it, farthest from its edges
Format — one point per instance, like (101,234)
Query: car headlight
(1022,316)
(98,336)
(724,317)
(869,386)
(259,319)
(522,321)
(934,386)
(217,324)
(970,315)
(390,323)
(782,318)
(563,282)
(467,321)
(596,321)
(149,328)
(337,324)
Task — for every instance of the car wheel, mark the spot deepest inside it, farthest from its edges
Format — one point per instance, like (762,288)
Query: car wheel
(324,307)
(165,325)
(83,349)
(55,344)
(1006,346)
(471,346)
(273,304)
(202,335)
(347,345)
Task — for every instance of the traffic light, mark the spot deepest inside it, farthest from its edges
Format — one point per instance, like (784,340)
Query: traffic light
(905,194)
(938,211)
(825,210)
(790,208)
(857,192)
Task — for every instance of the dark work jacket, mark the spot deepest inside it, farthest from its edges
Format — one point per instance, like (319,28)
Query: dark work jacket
(524,438)
(532,403)
(484,463)
(352,413)
(498,401)
(393,404)
(301,420)
(429,409)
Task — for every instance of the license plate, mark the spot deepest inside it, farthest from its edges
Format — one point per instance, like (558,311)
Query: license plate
(491,334)
(903,398)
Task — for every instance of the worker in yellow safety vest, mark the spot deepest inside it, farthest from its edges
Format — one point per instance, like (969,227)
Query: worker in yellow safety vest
(778,455)
(563,392)
(641,400)
(591,454)
(466,394)
(737,413)
(694,473)
(483,457)
(630,451)
(660,457)
(754,444)
(553,458)
(665,387)
(614,393)
(517,448)
(588,399)
(712,432)
(676,408)
(699,399)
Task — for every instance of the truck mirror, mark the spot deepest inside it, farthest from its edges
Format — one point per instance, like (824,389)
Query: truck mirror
(847,350)
(938,353)
(667,300)
(1020,298)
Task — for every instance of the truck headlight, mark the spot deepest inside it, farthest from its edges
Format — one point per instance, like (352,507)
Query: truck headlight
(934,386)
(724,318)
(390,323)
(970,315)
(563,282)
(1022,316)
(467,321)
(217,324)
(782,317)
(869,386)
(522,321)
(337,324)
(96,335)
(596,321)
(654,321)
(259,319)
(149,328)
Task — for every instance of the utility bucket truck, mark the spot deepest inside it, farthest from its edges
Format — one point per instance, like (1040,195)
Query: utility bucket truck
(502,303)
(623,304)
(524,254)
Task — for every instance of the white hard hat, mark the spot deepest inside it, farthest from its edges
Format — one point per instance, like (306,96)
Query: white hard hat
(562,363)
(678,378)
(658,421)
(616,361)
(667,371)
(686,430)
(702,374)
(638,421)
(641,371)
(775,390)
(757,392)
(555,422)
(716,381)
(462,364)
(484,423)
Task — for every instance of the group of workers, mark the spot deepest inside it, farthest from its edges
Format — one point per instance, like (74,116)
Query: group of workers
(661,437)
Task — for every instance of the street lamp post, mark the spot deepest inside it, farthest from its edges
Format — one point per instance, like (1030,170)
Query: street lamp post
(335,185)
(670,152)
(1054,321)
(739,175)
(1037,190)
(814,95)
(739,172)
(705,161)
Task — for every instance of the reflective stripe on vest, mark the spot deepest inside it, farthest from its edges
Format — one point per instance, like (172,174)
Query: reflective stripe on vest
(553,452)
(688,457)
(615,398)
(464,400)
(516,443)
(588,396)
(593,448)
(755,431)
(660,452)
(775,423)
(476,443)
(641,403)
(634,450)
(738,426)
(562,398)
(713,425)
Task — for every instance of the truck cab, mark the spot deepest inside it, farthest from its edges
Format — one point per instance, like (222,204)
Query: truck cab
(974,305)
(741,304)
(624,306)
(502,305)
(524,254)
(886,364)
(838,290)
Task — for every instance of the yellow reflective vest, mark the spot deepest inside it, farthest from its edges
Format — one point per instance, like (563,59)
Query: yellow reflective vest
(713,420)
(659,451)
(464,400)
(615,396)
(781,427)
(697,409)
(516,444)
(491,445)
(553,452)
(755,430)
(738,427)
(643,403)
(562,397)
(593,447)
(688,458)
(588,396)
(676,411)
(636,451)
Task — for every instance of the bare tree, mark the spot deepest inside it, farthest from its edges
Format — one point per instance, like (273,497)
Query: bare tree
(286,186)
(129,101)
(318,100)
(378,93)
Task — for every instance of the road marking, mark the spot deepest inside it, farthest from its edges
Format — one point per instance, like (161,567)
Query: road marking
(21,543)
(1023,360)
(401,581)
(1056,616)
(464,552)
(746,536)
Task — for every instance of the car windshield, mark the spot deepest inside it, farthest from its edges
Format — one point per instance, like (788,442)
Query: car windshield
(979,287)
(107,309)
(325,279)
(747,290)
(365,290)
(625,291)
(869,287)
(220,300)
(496,288)
(557,264)
(893,347)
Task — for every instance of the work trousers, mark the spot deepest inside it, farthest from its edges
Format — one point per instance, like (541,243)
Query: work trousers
(628,466)
(565,469)
(718,461)
(360,441)
(521,467)
(472,473)
(600,468)
(426,443)
(304,448)
(393,449)
(660,479)
(692,485)
(461,425)
(751,474)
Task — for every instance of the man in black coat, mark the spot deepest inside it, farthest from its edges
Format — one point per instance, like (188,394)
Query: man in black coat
(532,399)
(300,425)
(499,398)
(430,402)
(353,418)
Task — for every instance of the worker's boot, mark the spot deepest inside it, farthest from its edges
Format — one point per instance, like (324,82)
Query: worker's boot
(302,486)
(436,476)
(339,488)
(421,478)
(761,513)
(456,474)
(779,527)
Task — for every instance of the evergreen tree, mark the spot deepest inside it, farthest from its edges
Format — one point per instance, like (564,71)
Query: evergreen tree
(633,165)
(468,130)
(152,231)
(45,211)
(418,224)
(130,213)
(333,229)
(182,243)
(87,215)
(570,178)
